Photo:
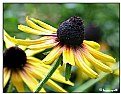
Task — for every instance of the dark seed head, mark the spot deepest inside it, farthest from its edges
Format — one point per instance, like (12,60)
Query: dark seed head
(14,58)
(71,31)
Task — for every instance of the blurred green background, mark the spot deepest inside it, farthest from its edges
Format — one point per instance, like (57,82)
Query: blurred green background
(103,19)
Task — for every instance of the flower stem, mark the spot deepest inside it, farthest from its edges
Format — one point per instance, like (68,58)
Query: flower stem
(10,88)
(44,80)
(68,72)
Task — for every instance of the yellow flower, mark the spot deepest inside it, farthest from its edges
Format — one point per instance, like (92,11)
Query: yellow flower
(116,72)
(67,40)
(20,66)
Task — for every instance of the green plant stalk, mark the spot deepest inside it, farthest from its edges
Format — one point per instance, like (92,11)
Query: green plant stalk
(49,74)
(68,72)
(10,88)
(91,82)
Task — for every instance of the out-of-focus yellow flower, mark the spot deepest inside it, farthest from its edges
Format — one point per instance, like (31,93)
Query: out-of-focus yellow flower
(20,66)
(116,72)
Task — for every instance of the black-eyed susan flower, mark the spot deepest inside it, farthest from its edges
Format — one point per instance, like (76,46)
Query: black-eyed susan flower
(67,40)
(21,67)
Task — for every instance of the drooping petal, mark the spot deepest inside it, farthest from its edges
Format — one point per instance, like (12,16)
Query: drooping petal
(22,47)
(33,52)
(31,42)
(95,62)
(48,44)
(32,31)
(56,75)
(31,60)
(48,67)
(30,81)
(68,56)
(55,86)
(39,75)
(65,55)
(59,78)
(86,61)
(42,90)
(46,26)
(55,53)
(99,55)
(8,40)
(71,56)
(93,44)
(7,73)
(81,64)
(17,82)
(34,26)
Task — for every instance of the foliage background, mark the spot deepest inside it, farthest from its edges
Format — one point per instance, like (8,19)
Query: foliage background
(104,16)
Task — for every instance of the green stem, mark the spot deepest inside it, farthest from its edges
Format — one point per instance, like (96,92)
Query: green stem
(91,82)
(68,71)
(44,80)
(10,88)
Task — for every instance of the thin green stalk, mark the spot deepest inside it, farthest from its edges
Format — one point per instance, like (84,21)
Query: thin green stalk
(68,72)
(10,88)
(91,82)
(49,74)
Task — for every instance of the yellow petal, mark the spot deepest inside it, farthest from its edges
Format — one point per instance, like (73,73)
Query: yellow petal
(34,26)
(59,78)
(30,63)
(12,41)
(42,45)
(46,26)
(7,73)
(29,70)
(32,31)
(8,40)
(42,90)
(31,42)
(93,44)
(55,86)
(39,75)
(33,52)
(99,55)
(48,67)
(86,69)
(22,47)
(71,57)
(51,83)
(65,55)
(30,81)
(95,62)
(86,61)
(17,82)
(56,75)
(33,59)
(55,53)
(68,56)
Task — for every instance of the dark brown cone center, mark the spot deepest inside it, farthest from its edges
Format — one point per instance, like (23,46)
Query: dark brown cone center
(71,31)
(14,57)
